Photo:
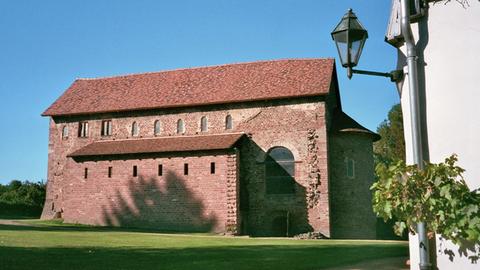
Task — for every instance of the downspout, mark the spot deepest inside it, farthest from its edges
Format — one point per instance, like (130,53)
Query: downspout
(415,121)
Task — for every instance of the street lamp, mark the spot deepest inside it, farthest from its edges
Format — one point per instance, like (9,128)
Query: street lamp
(350,36)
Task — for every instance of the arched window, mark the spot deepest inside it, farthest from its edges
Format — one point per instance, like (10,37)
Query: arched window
(65,132)
(203,124)
(134,129)
(156,127)
(228,122)
(280,171)
(350,167)
(180,126)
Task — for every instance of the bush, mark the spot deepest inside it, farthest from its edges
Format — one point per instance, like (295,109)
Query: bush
(437,195)
(22,199)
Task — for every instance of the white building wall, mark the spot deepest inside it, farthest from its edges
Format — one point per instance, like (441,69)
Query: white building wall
(452,58)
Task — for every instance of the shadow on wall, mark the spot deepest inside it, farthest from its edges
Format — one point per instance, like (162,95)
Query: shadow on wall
(272,202)
(467,249)
(170,207)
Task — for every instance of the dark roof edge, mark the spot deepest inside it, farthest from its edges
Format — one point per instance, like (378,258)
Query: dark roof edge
(344,123)
(239,134)
(73,155)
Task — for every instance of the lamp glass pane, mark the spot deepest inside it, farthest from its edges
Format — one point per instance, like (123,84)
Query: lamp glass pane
(342,52)
(356,51)
(341,42)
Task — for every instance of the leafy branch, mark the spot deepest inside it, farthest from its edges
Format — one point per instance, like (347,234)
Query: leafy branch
(437,195)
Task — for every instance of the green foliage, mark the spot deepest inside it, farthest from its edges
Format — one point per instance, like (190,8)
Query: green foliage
(21,198)
(391,146)
(437,195)
(28,193)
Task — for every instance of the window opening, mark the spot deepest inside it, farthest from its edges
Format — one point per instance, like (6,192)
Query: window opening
(185,169)
(157,127)
(212,168)
(203,124)
(83,129)
(106,128)
(134,129)
(160,170)
(350,167)
(180,126)
(228,122)
(280,171)
(65,132)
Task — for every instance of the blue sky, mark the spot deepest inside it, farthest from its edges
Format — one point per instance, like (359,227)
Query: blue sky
(45,45)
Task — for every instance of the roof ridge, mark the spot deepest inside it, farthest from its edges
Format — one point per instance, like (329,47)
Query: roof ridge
(201,67)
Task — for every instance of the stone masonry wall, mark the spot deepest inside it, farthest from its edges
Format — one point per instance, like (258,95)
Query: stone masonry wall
(350,197)
(287,123)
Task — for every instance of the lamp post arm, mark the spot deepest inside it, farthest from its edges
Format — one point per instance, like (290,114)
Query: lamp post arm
(374,73)
(395,75)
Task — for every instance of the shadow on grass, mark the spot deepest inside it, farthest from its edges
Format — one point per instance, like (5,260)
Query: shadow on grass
(276,257)
(27,226)
(17,216)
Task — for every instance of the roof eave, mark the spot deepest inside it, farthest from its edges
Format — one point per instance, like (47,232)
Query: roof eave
(46,113)
(375,136)
(78,153)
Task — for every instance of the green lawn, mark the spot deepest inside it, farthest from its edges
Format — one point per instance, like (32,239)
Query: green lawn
(43,245)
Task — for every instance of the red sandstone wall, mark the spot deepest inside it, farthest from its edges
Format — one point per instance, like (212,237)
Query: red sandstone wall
(173,201)
(277,123)
(288,126)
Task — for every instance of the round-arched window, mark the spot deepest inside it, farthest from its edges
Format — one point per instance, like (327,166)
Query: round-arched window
(180,126)
(156,127)
(134,129)
(65,132)
(280,171)
(203,124)
(228,122)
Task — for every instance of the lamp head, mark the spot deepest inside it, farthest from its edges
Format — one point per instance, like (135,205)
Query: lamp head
(350,37)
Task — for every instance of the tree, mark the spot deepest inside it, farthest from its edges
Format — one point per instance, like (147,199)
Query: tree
(389,150)
(391,147)
(21,199)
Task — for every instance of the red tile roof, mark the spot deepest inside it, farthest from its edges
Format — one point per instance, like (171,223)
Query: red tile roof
(159,145)
(197,86)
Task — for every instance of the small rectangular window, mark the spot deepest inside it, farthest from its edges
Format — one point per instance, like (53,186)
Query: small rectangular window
(109,172)
(83,129)
(135,171)
(185,169)
(160,170)
(212,168)
(85,174)
(106,128)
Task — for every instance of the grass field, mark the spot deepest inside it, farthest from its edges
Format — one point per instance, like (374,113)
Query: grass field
(41,245)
